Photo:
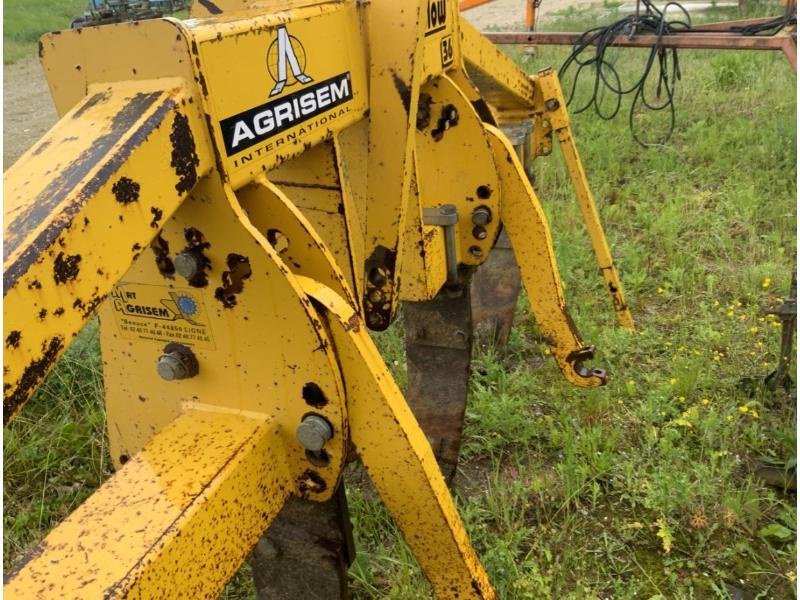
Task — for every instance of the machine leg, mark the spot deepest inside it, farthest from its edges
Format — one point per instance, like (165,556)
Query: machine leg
(306,552)
(495,288)
(496,283)
(787,312)
(439,350)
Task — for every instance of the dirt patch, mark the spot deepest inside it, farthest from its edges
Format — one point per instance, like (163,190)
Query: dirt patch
(510,14)
(28,110)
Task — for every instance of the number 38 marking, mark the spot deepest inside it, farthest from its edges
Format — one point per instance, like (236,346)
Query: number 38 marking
(447,50)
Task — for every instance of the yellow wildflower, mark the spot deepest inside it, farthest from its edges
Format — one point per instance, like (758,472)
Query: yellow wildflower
(766,282)
(660,290)
(729,417)
(743,409)
(673,381)
(754,329)
(754,413)
(730,313)
(705,401)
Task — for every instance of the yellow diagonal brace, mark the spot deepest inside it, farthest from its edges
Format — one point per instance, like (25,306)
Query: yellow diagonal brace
(175,522)
(399,459)
(501,82)
(556,112)
(81,205)
(526,224)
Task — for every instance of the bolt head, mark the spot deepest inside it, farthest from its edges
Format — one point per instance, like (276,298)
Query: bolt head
(170,367)
(481,216)
(313,432)
(186,265)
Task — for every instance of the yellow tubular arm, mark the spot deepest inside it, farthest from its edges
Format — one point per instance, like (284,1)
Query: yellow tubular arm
(399,458)
(79,208)
(524,219)
(180,515)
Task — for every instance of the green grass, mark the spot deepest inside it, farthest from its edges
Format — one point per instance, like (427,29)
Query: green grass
(641,489)
(24,21)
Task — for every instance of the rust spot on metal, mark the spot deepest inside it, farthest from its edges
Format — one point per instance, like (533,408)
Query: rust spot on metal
(233,280)
(353,323)
(184,155)
(314,396)
(42,314)
(157,216)
(66,267)
(12,341)
(484,192)
(378,294)
(41,147)
(59,311)
(311,482)
(164,264)
(403,91)
(90,103)
(202,81)
(125,190)
(312,186)
(31,377)
(35,285)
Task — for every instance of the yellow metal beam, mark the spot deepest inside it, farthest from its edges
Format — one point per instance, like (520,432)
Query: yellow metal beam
(555,111)
(527,228)
(501,82)
(78,211)
(399,458)
(180,516)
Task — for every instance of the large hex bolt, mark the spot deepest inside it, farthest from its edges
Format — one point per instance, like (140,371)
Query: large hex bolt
(187,265)
(177,362)
(313,432)
(481,216)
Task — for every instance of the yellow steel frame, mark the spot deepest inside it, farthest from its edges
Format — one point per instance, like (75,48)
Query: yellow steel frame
(292,152)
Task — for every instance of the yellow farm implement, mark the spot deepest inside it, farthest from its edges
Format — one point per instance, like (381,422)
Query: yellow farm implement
(240,197)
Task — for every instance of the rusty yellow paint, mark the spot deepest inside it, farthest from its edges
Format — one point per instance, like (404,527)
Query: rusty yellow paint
(424,263)
(260,345)
(469,179)
(556,113)
(502,83)
(176,521)
(290,151)
(399,459)
(526,224)
(72,233)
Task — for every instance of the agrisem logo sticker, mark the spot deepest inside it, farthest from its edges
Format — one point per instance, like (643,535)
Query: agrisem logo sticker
(151,312)
(286,65)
